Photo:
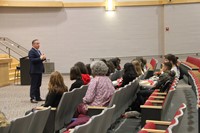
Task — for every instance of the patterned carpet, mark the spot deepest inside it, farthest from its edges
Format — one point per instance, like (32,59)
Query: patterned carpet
(15,100)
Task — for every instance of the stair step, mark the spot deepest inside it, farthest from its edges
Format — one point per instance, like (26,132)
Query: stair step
(14,65)
(12,75)
(11,70)
(17,80)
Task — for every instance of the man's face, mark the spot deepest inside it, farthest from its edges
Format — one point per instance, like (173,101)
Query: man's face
(36,44)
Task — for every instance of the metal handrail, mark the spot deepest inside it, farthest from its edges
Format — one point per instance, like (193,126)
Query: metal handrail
(8,54)
(9,49)
(16,44)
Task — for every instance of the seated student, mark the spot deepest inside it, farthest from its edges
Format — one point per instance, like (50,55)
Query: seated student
(110,65)
(116,62)
(3,120)
(138,67)
(173,59)
(88,69)
(160,79)
(75,74)
(100,89)
(143,63)
(84,73)
(144,92)
(129,74)
(56,89)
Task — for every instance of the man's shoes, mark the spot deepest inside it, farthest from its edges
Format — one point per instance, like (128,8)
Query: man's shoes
(40,99)
(33,101)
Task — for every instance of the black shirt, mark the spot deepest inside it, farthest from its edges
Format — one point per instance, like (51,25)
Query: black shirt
(53,99)
(77,84)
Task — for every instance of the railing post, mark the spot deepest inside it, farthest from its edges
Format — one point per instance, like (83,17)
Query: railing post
(9,52)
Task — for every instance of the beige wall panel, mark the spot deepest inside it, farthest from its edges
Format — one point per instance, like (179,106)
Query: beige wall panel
(77,34)
(184,28)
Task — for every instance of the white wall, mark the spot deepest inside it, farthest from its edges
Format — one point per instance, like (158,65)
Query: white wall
(184,28)
(69,35)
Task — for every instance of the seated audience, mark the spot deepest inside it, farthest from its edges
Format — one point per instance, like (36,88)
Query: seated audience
(3,120)
(84,73)
(116,62)
(56,89)
(75,74)
(173,59)
(143,63)
(88,69)
(146,91)
(110,65)
(138,67)
(111,68)
(129,74)
(100,89)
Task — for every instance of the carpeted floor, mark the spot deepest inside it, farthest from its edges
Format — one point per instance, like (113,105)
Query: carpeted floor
(15,100)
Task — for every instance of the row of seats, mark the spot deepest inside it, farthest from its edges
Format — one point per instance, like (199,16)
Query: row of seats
(194,80)
(157,104)
(48,120)
(34,122)
(191,63)
(191,70)
(97,123)
(63,115)
(153,126)
(122,99)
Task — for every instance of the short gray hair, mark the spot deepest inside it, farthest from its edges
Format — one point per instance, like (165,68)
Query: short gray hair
(99,68)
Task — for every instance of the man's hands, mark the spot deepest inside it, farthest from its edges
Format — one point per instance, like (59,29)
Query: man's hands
(43,57)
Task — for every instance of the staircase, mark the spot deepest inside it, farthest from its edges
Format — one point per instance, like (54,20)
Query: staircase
(13,65)
(10,49)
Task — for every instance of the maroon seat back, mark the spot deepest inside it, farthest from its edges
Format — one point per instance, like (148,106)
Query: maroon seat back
(193,60)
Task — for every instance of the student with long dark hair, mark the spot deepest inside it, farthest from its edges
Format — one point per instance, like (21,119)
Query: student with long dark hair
(173,60)
(75,74)
(84,73)
(129,74)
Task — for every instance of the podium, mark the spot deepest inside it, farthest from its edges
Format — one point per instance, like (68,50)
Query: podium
(24,71)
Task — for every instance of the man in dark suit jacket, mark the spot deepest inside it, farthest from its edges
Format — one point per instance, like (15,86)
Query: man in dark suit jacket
(36,70)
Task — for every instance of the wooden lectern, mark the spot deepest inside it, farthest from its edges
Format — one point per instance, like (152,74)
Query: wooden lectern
(4,71)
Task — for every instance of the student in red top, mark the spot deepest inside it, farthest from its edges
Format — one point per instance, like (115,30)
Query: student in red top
(84,73)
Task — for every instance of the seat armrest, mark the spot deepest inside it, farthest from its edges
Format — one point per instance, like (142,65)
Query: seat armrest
(71,130)
(159,97)
(156,101)
(160,93)
(150,107)
(154,130)
(42,108)
(96,107)
(167,123)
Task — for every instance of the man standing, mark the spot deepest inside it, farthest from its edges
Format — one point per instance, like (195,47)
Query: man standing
(36,70)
